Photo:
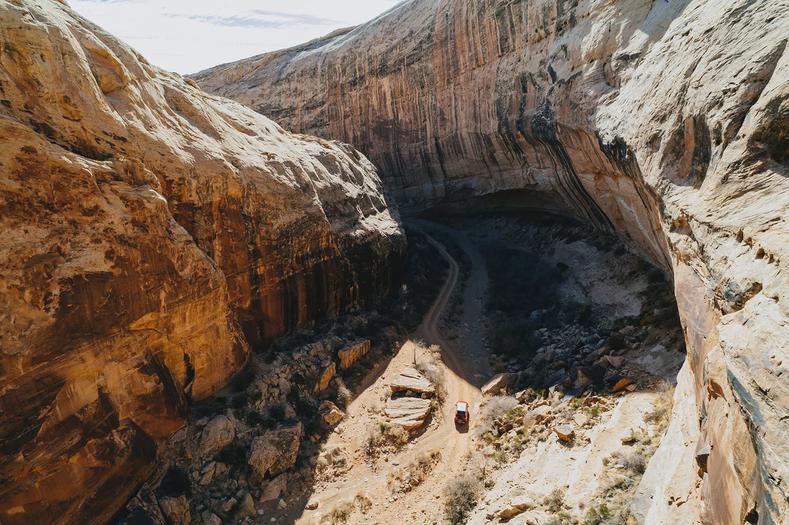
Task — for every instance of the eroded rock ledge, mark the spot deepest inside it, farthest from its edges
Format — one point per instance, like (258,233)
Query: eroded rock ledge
(663,121)
(150,234)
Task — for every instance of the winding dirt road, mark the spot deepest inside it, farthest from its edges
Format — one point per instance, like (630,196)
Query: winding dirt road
(420,505)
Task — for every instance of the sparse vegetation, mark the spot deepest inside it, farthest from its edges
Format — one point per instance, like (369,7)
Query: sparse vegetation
(385,437)
(633,461)
(460,498)
(661,409)
(435,374)
(554,501)
(410,477)
(341,513)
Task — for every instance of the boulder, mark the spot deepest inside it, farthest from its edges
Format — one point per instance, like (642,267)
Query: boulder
(350,354)
(275,451)
(498,383)
(622,384)
(216,435)
(275,488)
(565,433)
(176,510)
(246,506)
(408,412)
(329,371)
(517,505)
(330,413)
(209,518)
(411,380)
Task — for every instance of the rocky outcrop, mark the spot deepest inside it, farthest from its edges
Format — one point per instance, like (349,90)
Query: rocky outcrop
(411,413)
(662,121)
(150,234)
(410,380)
(352,353)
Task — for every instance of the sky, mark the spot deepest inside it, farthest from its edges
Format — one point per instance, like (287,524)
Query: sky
(187,36)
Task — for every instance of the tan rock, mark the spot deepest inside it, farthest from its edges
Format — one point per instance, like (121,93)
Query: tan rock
(536,416)
(498,383)
(411,380)
(275,451)
(622,384)
(565,433)
(275,488)
(329,371)
(216,435)
(517,506)
(330,413)
(176,510)
(247,506)
(351,354)
(408,412)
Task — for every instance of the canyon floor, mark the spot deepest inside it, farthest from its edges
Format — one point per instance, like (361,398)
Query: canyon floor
(525,477)
(565,345)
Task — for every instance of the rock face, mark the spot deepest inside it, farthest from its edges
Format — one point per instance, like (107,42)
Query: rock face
(662,121)
(150,234)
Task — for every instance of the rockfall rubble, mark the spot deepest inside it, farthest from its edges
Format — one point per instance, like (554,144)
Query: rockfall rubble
(664,122)
(151,234)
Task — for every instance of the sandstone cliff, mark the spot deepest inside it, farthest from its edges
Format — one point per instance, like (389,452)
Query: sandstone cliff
(664,121)
(150,234)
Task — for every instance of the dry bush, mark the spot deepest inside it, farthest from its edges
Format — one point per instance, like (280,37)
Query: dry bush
(634,461)
(554,501)
(341,513)
(363,502)
(660,414)
(408,478)
(435,374)
(496,407)
(386,437)
(460,498)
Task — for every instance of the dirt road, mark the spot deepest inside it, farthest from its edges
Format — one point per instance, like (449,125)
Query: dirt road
(420,505)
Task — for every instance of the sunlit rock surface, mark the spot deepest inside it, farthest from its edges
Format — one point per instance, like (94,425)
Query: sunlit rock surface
(150,234)
(664,121)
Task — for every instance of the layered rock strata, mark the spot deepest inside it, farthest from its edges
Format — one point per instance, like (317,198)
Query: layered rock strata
(662,121)
(150,234)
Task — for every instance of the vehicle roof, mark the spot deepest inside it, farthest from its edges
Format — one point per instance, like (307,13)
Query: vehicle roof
(462,406)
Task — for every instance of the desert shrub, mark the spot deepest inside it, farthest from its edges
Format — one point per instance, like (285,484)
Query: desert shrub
(385,437)
(363,502)
(661,409)
(341,513)
(410,477)
(460,498)
(634,462)
(554,501)
(434,374)
(498,406)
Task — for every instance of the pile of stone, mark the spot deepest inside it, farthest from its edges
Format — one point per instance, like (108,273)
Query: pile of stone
(412,400)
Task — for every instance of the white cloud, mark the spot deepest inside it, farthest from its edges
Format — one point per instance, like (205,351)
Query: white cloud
(189,35)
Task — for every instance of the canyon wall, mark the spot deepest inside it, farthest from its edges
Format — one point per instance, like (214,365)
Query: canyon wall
(150,236)
(664,121)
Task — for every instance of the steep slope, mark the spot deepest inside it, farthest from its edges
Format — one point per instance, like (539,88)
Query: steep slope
(150,234)
(663,121)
